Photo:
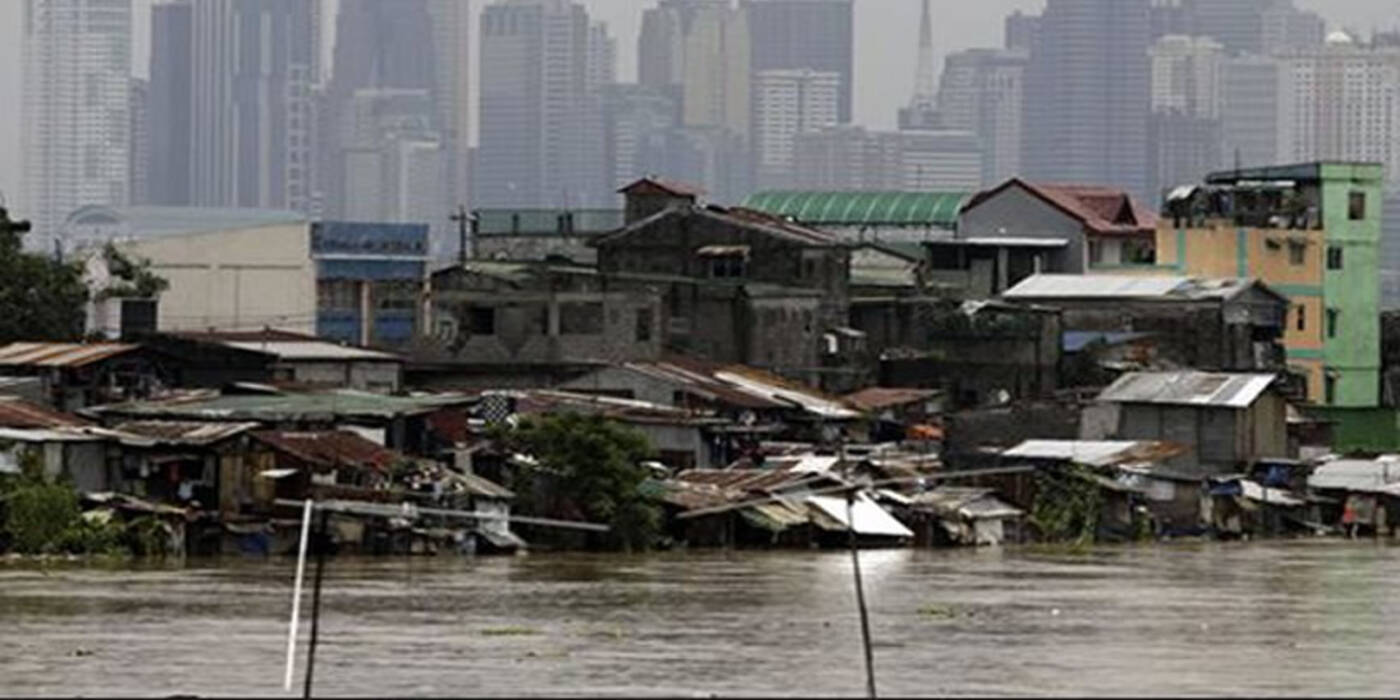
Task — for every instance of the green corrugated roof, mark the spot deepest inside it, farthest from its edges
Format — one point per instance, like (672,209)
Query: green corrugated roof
(862,208)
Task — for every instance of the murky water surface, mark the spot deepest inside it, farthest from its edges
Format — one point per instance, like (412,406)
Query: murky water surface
(1314,617)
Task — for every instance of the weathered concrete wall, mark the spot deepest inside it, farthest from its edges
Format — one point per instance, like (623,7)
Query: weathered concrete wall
(535,247)
(1016,213)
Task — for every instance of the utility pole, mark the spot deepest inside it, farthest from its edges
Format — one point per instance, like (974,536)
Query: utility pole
(462,218)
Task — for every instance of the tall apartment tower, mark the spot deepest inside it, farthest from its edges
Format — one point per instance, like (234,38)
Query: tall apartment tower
(76,111)
(1087,87)
(1187,137)
(252,120)
(139,143)
(452,58)
(1252,113)
(1245,27)
(541,140)
(1340,103)
(661,44)
(812,35)
(788,103)
(168,173)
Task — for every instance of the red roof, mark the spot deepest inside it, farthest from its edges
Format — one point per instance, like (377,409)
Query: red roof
(330,449)
(664,186)
(1102,210)
(878,397)
(23,415)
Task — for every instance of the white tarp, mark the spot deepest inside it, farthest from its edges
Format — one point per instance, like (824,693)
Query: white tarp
(870,518)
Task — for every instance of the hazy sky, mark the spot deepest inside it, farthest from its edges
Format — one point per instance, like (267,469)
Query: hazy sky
(886,43)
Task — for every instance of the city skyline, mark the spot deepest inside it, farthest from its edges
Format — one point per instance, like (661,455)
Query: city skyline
(884,67)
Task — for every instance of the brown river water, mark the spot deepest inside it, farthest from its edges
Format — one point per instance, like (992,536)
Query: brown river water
(1294,618)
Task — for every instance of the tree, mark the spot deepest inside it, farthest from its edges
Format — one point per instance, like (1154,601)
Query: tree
(130,278)
(40,298)
(587,468)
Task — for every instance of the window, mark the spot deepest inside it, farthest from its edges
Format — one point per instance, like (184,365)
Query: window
(1297,252)
(643,325)
(1095,252)
(1332,315)
(481,320)
(1302,317)
(1334,257)
(1356,206)
(1329,389)
(727,267)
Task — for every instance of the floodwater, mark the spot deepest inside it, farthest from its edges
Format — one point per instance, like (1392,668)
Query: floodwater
(1292,618)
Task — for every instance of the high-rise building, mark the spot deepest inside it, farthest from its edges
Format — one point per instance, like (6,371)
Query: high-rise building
(1341,102)
(788,103)
(1252,113)
(1087,92)
(541,140)
(139,153)
(982,91)
(942,160)
(640,121)
(392,161)
(168,176)
(813,35)
(1243,27)
(1020,30)
(661,44)
(452,57)
(1187,138)
(716,70)
(922,110)
(253,118)
(846,157)
(76,111)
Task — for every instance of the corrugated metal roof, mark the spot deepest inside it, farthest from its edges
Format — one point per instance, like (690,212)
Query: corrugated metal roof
(1096,453)
(1188,388)
(863,208)
(769,386)
(18,413)
(1057,286)
(878,397)
(331,448)
(60,354)
(184,432)
(311,350)
(869,518)
(1356,474)
(204,406)
(481,486)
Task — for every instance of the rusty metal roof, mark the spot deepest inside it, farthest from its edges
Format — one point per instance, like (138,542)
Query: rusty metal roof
(330,449)
(747,480)
(184,432)
(1188,388)
(18,413)
(878,397)
(60,354)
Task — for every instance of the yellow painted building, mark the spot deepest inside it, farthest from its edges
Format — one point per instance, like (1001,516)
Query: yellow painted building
(1290,261)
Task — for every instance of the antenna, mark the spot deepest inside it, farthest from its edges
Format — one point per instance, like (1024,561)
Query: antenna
(925,84)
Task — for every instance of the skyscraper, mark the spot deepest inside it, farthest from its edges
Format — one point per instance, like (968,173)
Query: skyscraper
(1252,112)
(922,111)
(452,57)
(541,140)
(168,175)
(1187,98)
(982,91)
(1087,95)
(76,110)
(788,103)
(253,121)
(139,150)
(1341,101)
(1256,27)
(813,35)
(661,44)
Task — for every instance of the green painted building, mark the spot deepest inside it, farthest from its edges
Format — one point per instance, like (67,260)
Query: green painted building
(1346,199)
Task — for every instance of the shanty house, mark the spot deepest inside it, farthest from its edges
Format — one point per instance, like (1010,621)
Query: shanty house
(76,375)
(1227,421)
(954,515)
(64,444)
(304,359)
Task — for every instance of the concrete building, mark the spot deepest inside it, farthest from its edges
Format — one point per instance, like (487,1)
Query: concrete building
(811,35)
(253,119)
(453,54)
(139,150)
(849,158)
(1311,231)
(541,132)
(982,91)
(942,160)
(370,280)
(1243,27)
(638,126)
(717,70)
(75,111)
(1087,91)
(788,103)
(171,70)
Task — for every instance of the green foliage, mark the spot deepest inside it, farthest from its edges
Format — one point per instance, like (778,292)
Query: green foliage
(131,278)
(1067,505)
(40,298)
(39,513)
(148,536)
(589,467)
